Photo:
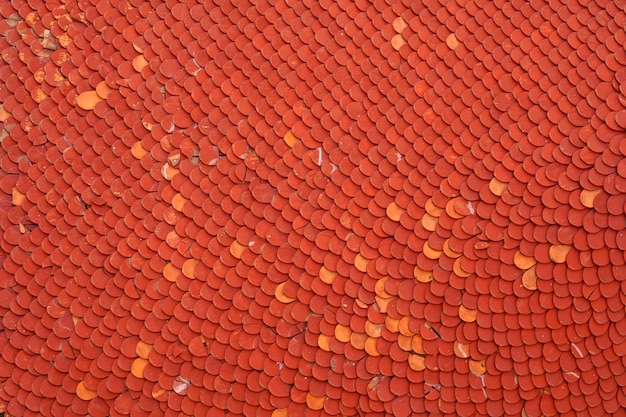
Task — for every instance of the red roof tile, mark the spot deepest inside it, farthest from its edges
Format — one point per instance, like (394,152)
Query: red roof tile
(330,208)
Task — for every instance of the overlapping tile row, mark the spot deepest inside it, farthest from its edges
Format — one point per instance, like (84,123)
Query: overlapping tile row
(312,208)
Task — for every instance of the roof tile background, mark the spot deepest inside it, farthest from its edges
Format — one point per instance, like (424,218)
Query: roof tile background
(312,208)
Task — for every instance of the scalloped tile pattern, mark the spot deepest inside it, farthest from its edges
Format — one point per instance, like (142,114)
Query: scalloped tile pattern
(312,208)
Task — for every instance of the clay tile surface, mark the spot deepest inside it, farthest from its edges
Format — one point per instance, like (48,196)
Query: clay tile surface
(366,208)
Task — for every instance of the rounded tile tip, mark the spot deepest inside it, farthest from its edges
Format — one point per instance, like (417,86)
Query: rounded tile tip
(343,333)
(361,262)
(429,222)
(84,393)
(138,151)
(290,139)
(88,100)
(421,275)
(171,273)
(452,41)
(189,268)
(4,114)
(522,261)
(467,315)
(280,412)
(587,197)
(17,197)
(281,296)
(103,90)
(168,172)
(477,367)
(497,187)
(398,42)
(529,278)
(417,362)
(138,366)
(394,212)
(326,275)
(461,350)
(237,249)
(143,349)
(315,402)
(323,341)
(139,63)
(399,24)
(558,253)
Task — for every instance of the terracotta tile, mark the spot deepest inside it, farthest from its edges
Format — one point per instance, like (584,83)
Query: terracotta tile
(535,180)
